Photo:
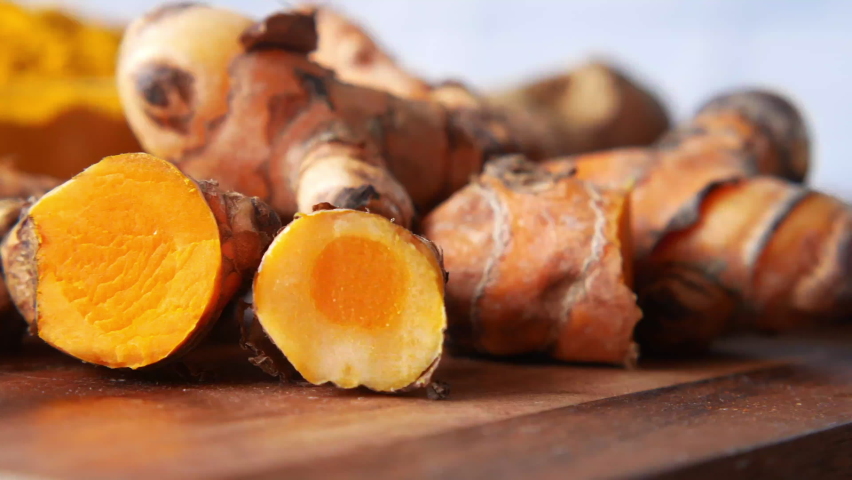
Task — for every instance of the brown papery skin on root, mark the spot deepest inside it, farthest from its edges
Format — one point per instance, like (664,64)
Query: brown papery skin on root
(356,58)
(723,141)
(282,128)
(593,107)
(761,254)
(536,265)
(244,226)
(12,324)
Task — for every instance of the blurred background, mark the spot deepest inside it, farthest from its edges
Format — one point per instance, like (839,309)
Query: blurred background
(686,51)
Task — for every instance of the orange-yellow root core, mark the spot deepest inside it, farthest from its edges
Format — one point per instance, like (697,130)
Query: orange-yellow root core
(348,261)
(353,299)
(118,285)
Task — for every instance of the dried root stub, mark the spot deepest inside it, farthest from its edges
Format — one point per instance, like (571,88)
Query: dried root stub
(353,299)
(539,263)
(758,253)
(129,263)
(242,103)
(593,107)
(736,135)
(12,325)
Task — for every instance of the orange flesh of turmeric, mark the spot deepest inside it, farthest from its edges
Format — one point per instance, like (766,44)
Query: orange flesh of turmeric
(342,268)
(117,285)
(352,299)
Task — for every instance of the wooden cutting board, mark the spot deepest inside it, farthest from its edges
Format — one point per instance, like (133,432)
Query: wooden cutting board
(756,408)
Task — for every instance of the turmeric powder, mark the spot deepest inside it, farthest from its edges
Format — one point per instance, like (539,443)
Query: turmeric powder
(593,107)
(60,107)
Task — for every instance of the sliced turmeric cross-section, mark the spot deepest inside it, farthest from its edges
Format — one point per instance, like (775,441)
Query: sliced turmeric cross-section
(131,260)
(353,299)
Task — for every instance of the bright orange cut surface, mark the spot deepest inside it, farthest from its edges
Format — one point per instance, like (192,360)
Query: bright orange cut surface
(353,299)
(344,281)
(128,263)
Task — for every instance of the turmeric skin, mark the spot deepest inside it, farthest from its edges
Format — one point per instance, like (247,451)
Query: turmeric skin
(539,264)
(715,249)
(242,103)
(353,299)
(736,135)
(346,48)
(98,273)
(756,254)
(12,325)
(593,107)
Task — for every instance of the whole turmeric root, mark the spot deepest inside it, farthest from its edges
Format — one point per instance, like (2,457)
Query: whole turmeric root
(243,104)
(754,254)
(356,58)
(353,299)
(539,263)
(593,107)
(129,263)
(736,135)
(716,251)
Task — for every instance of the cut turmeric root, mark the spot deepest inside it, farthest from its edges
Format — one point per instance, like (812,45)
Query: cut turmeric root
(353,299)
(129,263)
(539,263)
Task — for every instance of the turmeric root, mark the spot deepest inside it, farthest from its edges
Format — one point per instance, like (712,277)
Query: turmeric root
(714,250)
(353,299)
(242,103)
(755,254)
(17,184)
(593,107)
(129,263)
(12,325)
(347,49)
(539,263)
(736,135)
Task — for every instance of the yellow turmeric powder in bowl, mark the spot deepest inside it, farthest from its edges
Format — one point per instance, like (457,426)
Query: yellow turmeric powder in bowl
(59,107)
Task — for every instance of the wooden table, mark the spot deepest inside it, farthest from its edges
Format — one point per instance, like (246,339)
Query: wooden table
(757,408)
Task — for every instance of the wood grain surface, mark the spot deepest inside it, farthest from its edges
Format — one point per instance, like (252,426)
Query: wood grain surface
(757,408)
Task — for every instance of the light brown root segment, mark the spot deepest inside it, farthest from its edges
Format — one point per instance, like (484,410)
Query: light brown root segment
(760,254)
(353,299)
(537,265)
(130,262)
(18,184)
(593,107)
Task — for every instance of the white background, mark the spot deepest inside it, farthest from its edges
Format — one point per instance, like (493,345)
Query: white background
(686,49)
